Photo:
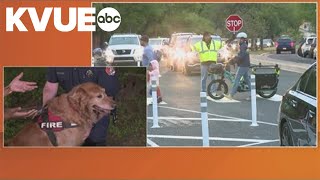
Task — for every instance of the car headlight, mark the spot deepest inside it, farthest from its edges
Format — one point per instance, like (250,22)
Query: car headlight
(138,53)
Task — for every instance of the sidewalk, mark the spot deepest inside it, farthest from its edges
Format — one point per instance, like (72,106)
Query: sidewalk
(284,65)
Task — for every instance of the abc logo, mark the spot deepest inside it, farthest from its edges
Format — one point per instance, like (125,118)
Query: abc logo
(109,19)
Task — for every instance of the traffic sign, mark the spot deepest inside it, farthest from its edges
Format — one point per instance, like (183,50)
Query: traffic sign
(234,23)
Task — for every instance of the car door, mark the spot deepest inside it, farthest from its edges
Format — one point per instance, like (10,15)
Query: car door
(311,104)
(297,109)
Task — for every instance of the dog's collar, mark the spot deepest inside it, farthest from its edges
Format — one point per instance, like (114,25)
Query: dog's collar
(51,123)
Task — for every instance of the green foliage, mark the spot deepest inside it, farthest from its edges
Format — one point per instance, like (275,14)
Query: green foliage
(261,20)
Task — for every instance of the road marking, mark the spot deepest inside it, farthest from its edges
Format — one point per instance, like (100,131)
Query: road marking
(228,117)
(151,143)
(149,101)
(211,138)
(276,98)
(252,144)
(223,100)
(211,119)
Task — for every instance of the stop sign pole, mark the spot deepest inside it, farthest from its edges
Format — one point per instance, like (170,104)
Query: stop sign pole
(234,23)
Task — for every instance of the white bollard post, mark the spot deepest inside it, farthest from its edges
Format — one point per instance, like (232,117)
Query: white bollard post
(204,119)
(253,101)
(154,103)
(138,63)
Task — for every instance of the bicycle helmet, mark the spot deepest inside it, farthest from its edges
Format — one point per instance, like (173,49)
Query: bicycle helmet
(242,35)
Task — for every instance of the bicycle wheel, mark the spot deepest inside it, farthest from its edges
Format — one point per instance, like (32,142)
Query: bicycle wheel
(221,89)
(267,93)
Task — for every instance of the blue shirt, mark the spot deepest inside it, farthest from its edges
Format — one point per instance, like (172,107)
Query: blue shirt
(148,56)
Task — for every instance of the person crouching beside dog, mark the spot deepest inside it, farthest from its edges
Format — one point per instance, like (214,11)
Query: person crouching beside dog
(17,85)
(69,77)
(154,72)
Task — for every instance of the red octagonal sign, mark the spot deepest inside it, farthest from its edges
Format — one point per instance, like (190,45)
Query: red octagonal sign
(234,23)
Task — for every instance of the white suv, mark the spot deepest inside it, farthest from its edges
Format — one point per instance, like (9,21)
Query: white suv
(305,48)
(124,49)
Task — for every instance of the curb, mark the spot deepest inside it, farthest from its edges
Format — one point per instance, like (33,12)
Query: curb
(284,65)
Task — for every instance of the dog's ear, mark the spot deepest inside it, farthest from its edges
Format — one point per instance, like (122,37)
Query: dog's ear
(77,94)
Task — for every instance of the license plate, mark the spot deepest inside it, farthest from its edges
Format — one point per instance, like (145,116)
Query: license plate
(284,48)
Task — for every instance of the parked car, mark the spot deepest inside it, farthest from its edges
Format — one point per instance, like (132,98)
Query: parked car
(285,44)
(191,60)
(177,51)
(305,48)
(298,110)
(267,43)
(301,43)
(157,43)
(124,49)
(313,51)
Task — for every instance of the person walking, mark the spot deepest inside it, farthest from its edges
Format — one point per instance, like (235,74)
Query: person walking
(148,54)
(207,50)
(243,61)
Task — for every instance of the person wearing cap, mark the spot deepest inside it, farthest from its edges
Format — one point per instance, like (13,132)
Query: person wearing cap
(69,77)
(243,61)
(207,50)
(148,54)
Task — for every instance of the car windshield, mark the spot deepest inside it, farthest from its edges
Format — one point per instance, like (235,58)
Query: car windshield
(123,40)
(181,40)
(195,40)
(266,40)
(155,41)
(284,40)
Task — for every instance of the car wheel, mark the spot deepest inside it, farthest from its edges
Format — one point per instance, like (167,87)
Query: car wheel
(286,139)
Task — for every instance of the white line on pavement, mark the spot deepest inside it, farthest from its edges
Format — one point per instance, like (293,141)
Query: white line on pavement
(276,98)
(192,111)
(223,100)
(252,144)
(228,117)
(151,143)
(212,138)
(211,119)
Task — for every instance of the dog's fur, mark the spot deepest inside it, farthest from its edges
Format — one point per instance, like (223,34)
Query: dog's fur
(84,105)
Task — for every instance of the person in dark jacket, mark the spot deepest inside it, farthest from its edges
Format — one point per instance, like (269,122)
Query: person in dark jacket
(243,61)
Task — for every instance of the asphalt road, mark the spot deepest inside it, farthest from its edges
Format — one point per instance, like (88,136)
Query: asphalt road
(291,58)
(229,121)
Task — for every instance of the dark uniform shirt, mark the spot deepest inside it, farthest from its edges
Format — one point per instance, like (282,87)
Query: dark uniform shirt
(69,77)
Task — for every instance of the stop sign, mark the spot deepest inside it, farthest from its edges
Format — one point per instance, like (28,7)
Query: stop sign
(234,23)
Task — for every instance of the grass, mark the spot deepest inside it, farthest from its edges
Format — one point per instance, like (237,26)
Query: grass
(130,129)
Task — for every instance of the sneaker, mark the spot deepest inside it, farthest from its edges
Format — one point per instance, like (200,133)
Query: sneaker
(159,99)
(248,98)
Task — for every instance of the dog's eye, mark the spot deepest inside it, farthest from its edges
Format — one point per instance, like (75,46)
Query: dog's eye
(99,96)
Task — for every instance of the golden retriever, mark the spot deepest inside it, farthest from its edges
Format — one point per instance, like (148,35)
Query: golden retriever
(83,106)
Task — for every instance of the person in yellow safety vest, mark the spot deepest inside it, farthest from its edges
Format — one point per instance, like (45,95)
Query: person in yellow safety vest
(207,50)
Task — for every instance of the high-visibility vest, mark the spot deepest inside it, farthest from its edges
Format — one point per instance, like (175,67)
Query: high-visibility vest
(206,54)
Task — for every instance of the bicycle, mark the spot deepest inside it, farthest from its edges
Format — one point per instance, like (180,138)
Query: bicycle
(266,83)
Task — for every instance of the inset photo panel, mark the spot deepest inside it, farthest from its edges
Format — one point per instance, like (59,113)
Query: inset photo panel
(74,106)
